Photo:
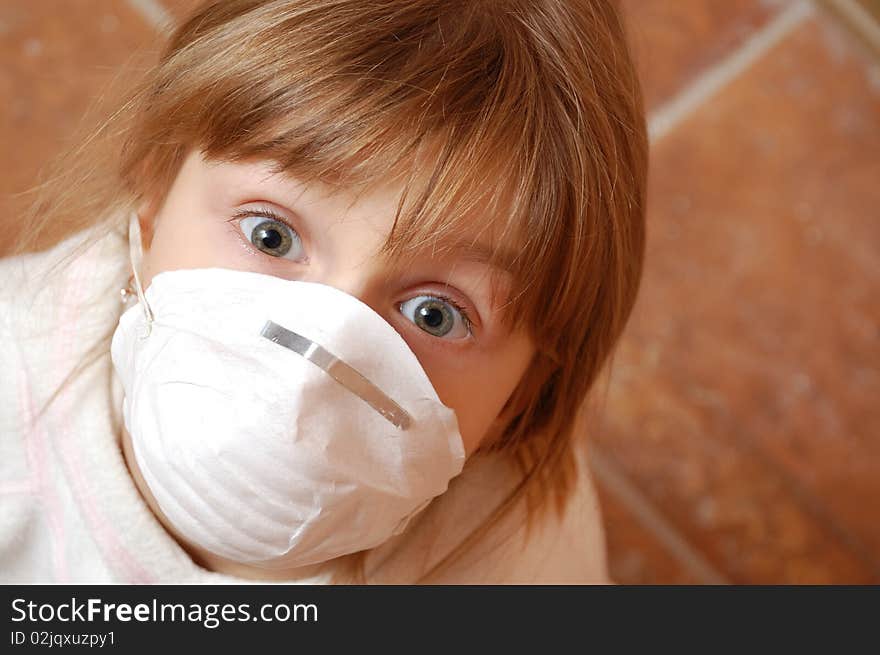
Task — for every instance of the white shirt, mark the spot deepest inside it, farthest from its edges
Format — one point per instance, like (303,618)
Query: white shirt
(70,512)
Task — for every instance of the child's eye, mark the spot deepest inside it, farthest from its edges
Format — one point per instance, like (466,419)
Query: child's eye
(272,237)
(438,317)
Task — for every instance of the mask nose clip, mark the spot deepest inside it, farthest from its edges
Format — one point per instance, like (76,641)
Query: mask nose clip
(136,255)
(340,371)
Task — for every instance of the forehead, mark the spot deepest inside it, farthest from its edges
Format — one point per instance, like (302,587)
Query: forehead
(470,237)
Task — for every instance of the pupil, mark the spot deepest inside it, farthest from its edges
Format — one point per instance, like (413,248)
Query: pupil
(271,238)
(432,316)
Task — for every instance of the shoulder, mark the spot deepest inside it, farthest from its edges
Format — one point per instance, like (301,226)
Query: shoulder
(568,549)
(35,287)
(556,549)
(54,304)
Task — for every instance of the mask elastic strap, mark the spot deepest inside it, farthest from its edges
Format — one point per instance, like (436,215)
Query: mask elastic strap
(136,254)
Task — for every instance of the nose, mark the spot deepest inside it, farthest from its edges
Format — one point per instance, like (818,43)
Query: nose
(349,255)
(363,282)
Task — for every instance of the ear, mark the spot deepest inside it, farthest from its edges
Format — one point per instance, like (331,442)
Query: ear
(147,211)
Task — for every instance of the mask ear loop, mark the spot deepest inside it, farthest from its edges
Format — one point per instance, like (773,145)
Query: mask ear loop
(136,254)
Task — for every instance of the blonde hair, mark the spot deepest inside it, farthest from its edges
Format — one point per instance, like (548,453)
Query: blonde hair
(525,112)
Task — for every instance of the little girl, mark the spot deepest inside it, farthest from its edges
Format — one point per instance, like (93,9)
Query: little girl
(373,257)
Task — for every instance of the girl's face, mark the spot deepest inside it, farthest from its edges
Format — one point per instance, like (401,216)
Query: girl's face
(242,216)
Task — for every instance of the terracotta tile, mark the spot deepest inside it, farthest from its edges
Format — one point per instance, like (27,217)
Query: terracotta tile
(727,502)
(744,401)
(635,555)
(860,17)
(675,41)
(57,58)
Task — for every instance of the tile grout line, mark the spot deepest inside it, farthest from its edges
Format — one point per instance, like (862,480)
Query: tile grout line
(154,13)
(665,118)
(858,18)
(618,483)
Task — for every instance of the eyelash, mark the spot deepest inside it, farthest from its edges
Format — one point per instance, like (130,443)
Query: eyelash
(265,213)
(268,213)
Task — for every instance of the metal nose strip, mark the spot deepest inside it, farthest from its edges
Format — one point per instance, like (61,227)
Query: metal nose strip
(344,374)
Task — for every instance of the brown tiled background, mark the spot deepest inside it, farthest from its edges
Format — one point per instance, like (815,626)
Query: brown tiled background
(739,437)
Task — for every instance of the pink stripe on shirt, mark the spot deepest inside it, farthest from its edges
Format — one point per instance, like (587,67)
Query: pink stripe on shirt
(81,274)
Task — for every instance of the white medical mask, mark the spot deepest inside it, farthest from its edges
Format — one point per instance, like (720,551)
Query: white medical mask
(278,422)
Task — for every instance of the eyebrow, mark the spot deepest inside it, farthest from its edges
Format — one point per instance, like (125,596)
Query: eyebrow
(484,254)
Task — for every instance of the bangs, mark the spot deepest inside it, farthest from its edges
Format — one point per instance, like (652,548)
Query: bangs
(351,94)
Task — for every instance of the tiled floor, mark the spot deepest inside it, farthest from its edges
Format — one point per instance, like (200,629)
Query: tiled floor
(676,41)
(743,406)
(740,439)
(55,63)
